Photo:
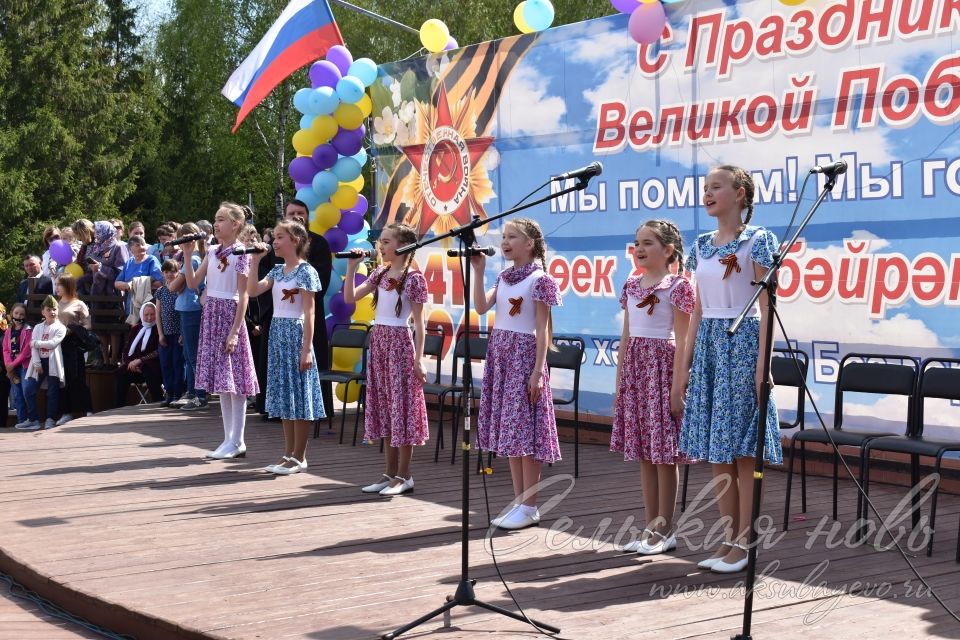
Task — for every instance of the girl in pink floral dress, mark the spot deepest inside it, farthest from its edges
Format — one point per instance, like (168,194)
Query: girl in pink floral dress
(396,409)
(224,360)
(646,424)
(516,418)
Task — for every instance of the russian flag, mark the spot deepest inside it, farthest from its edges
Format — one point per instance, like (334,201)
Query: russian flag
(303,33)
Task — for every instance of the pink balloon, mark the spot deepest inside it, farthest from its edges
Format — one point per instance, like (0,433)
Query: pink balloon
(647,22)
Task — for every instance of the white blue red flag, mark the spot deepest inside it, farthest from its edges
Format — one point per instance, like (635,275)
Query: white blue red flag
(303,33)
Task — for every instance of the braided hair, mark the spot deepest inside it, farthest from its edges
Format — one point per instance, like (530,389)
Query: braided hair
(741,179)
(404,235)
(668,234)
(531,229)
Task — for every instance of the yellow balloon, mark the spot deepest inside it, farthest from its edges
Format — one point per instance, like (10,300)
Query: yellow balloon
(318,228)
(305,140)
(518,19)
(345,197)
(362,268)
(345,394)
(792,3)
(344,359)
(365,310)
(348,116)
(365,105)
(326,215)
(356,183)
(434,35)
(74,270)
(326,127)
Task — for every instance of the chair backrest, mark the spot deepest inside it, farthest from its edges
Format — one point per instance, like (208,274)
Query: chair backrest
(879,378)
(941,381)
(789,369)
(567,354)
(433,340)
(478,339)
(353,335)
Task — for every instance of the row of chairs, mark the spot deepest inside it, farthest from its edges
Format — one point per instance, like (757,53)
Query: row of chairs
(567,355)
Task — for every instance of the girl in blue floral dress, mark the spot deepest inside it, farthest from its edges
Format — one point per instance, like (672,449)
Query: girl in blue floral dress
(293,382)
(724,378)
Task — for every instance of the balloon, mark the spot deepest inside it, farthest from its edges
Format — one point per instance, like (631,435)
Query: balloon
(305,140)
(350,89)
(74,270)
(538,14)
(347,393)
(344,358)
(647,22)
(325,126)
(324,100)
(61,252)
(519,20)
(327,215)
(365,105)
(317,228)
(351,222)
(344,197)
(339,308)
(302,185)
(364,70)
(347,169)
(331,322)
(300,101)
(336,284)
(789,3)
(302,169)
(349,116)
(325,184)
(360,157)
(359,278)
(336,238)
(625,6)
(324,157)
(434,35)
(324,73)
(357,183)
(451,44)
(347,142)
(340,56)
(361,206)
(306,121)
(364,310)
(309,197)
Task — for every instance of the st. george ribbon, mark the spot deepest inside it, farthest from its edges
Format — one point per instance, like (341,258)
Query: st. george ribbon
(193,237)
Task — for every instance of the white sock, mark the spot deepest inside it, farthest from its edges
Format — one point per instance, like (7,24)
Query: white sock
(238,420)
(528,510)
(226,410)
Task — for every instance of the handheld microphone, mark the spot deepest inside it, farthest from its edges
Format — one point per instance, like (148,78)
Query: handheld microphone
(193,237)
(830,170)
(366,253)
(245,250)
(456,253)
(585,173)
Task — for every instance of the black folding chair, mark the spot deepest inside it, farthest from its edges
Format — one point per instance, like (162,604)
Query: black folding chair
(352,335)
(860,377)
(478,339)
(569,356)
(935,382)
(433,346)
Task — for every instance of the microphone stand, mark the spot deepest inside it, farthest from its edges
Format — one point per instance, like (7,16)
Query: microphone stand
(465,595)
(767,283)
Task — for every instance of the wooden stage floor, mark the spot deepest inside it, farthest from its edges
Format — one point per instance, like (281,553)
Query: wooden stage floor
(116,517)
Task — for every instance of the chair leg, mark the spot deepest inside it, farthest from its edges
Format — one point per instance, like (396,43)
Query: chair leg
(933,506)
(914,481)
(836,462)
(442,399)
(803,477)
(576,440)
(344,409)
(864,514)
(381,445)
(786,500)
(361,405)
(455,430)
(683,494)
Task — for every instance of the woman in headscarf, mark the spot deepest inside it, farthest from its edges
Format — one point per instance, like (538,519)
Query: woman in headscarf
(141,357)
(104,260)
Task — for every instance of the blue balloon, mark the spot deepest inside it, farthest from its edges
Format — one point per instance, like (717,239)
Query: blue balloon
(336,284)
(306,121)
(364,70)
(347,169)
(339,268)
(350,89)
(538,14)
(309,197)
(361,157)
(301,101)
(325,183)
(323,101)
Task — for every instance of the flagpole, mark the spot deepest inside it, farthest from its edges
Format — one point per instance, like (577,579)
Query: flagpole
(375,16)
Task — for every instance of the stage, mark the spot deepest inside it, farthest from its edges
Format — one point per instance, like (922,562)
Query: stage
(116,517)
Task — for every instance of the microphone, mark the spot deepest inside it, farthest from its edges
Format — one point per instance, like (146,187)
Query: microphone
(830,170)
(193,237)
(456,253)
(366,253)
(584,173)
(245,250)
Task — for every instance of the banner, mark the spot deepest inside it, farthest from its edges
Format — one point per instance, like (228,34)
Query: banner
(776,89)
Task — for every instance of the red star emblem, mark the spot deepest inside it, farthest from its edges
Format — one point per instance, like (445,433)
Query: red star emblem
(443,165)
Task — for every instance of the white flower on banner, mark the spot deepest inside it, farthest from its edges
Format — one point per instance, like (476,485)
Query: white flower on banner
(407,112)
(404,136)
(385,127)
(491,159)
(395,92)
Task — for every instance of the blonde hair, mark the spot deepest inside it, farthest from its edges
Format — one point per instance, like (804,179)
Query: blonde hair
(298,232)
(668,234)
(190,229)
(84,230)
(741,179)
(405,235)
(236,212)
(531,229)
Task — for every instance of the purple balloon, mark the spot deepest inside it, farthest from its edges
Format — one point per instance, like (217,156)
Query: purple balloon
(359,279)
(625,6)
(351,222)
(330,322)
(61,252)
(302,169)
(302,185)
(324,156)
(337,239)
(324,73)
(339,307)
(361,206)
(341,57)
(451,44)
(348,142)
(647,22)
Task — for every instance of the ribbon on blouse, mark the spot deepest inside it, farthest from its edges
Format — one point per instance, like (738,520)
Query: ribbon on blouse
(730,262)
(393,283)
(515,305)
(223,263)
(651,302)
(288,294)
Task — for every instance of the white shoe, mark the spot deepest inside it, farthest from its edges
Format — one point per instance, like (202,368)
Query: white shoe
(64,419)
(709,562)
(29,425)
(521,518)
(218,451)
(50,423)
(295,466)
(658,544)
(232,451)
(184,399)
(496,521)
(635,546)
(377,487)
(405,486)
(732,567)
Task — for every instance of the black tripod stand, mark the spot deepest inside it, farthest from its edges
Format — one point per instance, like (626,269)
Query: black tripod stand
(767,283)
(464,595)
